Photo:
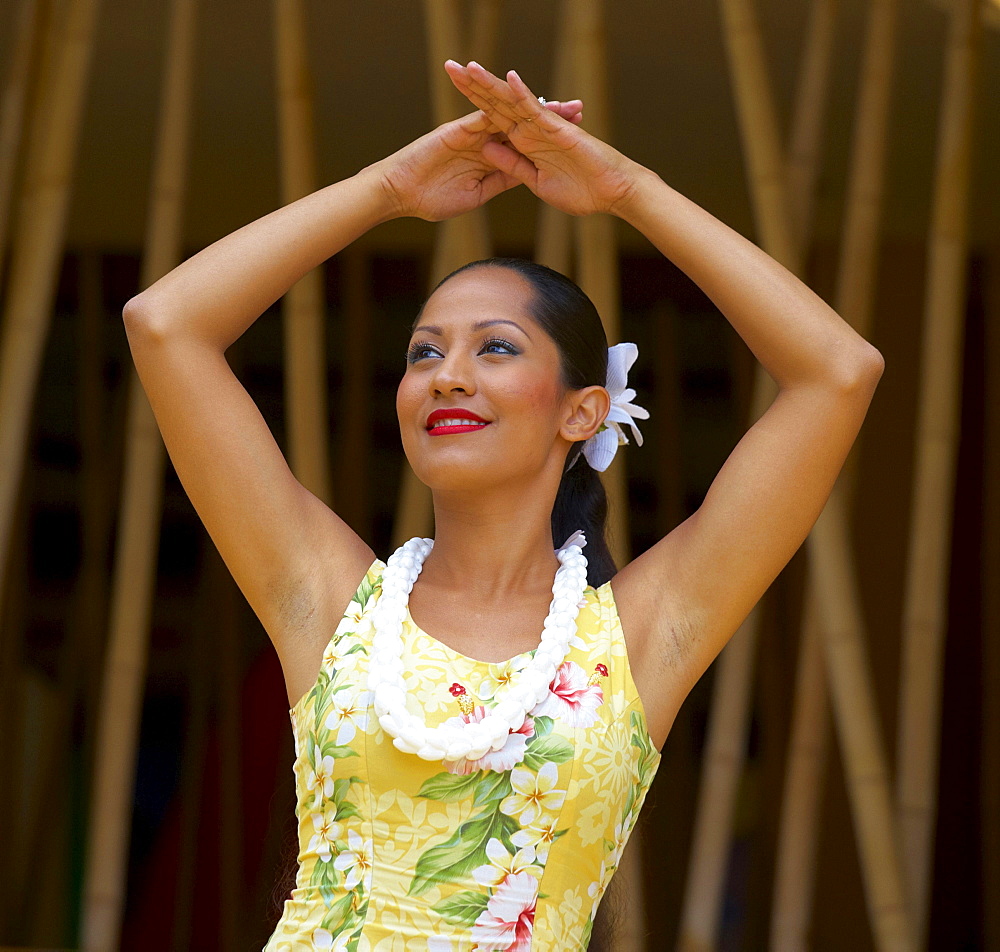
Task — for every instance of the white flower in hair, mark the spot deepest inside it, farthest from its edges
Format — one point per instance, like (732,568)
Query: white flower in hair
(600,449)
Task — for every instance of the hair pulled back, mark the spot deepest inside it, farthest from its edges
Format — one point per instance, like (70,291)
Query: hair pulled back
(570,319)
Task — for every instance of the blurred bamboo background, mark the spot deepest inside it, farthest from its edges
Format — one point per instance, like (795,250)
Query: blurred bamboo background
(146,795)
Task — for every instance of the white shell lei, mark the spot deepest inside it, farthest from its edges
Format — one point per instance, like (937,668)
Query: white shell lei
(471,741)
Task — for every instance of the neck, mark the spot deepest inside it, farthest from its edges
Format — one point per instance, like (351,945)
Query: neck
(493,545)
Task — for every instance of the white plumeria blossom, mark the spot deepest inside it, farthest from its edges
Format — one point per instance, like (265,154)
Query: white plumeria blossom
(320,780)
(350,711)
(502,864)
(533,794)
(356,860)
(596,889)
(538,837)
(600,449)
(328,831)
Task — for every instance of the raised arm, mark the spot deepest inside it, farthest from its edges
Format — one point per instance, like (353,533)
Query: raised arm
(683,599)
(297,563)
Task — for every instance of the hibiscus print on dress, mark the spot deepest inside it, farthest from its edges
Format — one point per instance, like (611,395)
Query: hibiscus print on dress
(571,698)
(506,922)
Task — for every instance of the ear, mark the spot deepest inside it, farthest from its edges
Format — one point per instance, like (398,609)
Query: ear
(585,412)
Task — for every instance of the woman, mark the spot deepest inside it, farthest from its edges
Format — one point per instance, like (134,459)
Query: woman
(474,787)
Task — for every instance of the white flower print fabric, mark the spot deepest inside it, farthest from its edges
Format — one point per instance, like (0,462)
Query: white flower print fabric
(398,853)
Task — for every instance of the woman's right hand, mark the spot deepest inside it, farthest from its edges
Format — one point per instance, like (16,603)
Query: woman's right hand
(443,173)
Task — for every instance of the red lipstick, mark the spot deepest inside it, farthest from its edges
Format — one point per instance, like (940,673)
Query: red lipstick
(443,422)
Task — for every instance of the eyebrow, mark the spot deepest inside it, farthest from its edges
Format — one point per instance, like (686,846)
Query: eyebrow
(478,326)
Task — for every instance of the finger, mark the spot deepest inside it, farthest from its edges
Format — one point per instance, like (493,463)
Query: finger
(565,109)
(476,121)
(480,96)
(497,182)
(562,105)
(520,88)
(502,97)
(510,162)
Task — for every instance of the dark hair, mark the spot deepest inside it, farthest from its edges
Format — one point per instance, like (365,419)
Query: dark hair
(569,317)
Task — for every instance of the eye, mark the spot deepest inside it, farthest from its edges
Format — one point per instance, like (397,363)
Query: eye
(499,341)
(418,350)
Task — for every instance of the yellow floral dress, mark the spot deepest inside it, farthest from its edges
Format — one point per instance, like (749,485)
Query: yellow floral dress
(510,852)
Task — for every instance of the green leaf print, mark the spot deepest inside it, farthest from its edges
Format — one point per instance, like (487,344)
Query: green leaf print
(337,752)
(493,788)
(463,908)
(364,592)
(346,809)
(463,852)
(341,785)
(542,725)
(643,771)
(449,787)
(485,786)
(334,920)
(325,876)
(551,749)
(647,752)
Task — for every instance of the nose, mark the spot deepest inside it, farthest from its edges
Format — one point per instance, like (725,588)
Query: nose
(453,374)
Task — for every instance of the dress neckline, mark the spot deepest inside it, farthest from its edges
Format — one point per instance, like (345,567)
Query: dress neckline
(468,659)
(464,658)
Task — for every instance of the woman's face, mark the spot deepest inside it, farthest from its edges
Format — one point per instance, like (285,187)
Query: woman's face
(482,400)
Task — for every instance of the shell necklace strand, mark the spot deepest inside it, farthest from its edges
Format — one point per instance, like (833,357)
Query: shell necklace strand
(452,742)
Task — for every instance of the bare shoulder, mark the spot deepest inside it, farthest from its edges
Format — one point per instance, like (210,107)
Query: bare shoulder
(658,630)
(305,606)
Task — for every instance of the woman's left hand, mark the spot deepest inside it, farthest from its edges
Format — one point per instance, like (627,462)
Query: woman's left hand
(561,163)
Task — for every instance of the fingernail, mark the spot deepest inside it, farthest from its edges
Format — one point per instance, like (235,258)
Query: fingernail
(474,63)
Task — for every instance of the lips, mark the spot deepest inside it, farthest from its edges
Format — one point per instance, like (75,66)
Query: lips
(452,420)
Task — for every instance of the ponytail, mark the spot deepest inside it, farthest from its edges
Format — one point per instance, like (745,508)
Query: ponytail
(582,503)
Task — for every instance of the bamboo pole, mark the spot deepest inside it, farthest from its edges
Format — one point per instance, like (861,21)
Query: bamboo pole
(795,861)
(725,746)
(925,602)
(855,294)
(40,216)
(37,246)
(457,240)
(553,236)
(485,29)
(196,729)
(809,114)
(795,866)
(13,107)
(304,305)
(135,558)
